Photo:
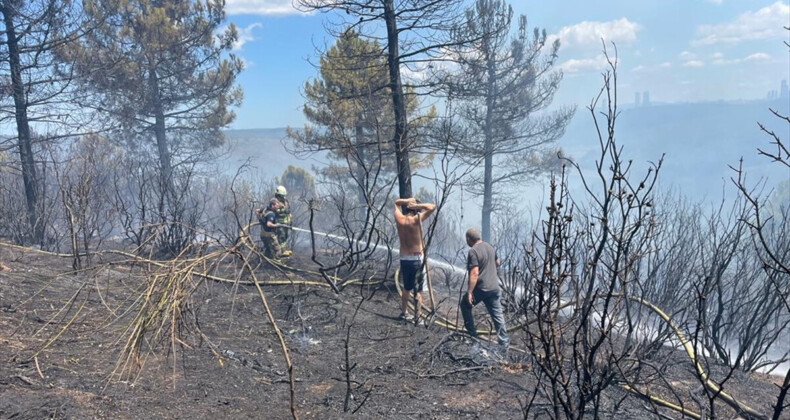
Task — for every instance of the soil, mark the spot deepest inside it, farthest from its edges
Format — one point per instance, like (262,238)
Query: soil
(61,334)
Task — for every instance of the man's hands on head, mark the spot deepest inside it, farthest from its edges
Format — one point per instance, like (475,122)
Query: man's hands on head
(414,205)
(405,201)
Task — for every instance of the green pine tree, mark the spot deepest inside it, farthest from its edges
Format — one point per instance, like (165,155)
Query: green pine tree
(163,70)
(504,81)
(349,111)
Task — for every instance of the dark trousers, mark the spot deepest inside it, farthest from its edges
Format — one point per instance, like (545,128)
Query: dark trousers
(494,307)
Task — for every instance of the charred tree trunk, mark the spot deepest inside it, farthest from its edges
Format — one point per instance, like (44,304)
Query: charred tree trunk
(488,150)
(400,136)
(162,147)
(29,175)
(780,401)
(361,157)
(361,172)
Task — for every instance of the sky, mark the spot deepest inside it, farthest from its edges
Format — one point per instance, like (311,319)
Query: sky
(677,50)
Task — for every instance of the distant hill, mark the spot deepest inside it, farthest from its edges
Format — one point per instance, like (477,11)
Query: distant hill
(267,151)
(700,140)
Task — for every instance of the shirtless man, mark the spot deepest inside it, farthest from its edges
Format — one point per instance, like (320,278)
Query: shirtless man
(412,267)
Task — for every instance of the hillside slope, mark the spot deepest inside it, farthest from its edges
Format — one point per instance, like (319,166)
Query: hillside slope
(232,366)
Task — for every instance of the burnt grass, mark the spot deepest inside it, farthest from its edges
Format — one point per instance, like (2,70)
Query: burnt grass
(61,335)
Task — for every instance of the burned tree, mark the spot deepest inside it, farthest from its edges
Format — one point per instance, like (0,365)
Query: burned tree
(85,180)
(158,69)
(769,234)
(161,70)
(36,83)
(416,31)
(350,115)
(349,112)
(504,80)
(580,279)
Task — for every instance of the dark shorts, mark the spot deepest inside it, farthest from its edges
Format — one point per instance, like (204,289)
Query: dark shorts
(413,274)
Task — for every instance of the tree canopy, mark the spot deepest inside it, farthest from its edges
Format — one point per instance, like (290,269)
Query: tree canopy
(503,81)
(349,109)
(162,69)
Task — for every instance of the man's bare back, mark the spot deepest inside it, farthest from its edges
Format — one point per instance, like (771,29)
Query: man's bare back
(409,224)
(412,264)
(409,235)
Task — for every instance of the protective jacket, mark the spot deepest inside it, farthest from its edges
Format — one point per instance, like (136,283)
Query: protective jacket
(267,216)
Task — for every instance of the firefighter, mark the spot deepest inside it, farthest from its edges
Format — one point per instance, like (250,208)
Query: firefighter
(267,217)
(283,219)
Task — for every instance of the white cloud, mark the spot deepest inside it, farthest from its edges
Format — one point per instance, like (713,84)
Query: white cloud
(414,75)
(757,57)
(260,7)
(752,57)
(247,63)
(693,63)
(590,33)
(583,65)
(765,23)
(651,67)
(715,1)
(687,55)
(246,35)
(717,55)
(723,62)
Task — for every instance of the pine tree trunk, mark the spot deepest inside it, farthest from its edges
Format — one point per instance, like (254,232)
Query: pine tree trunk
(398,103)
(163,150)
(29,175)
(488,149)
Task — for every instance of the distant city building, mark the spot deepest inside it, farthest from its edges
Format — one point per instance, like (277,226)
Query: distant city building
(782,93)
(636,99)
(646,98)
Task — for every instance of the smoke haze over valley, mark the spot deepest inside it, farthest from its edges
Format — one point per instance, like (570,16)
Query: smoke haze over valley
(699,141)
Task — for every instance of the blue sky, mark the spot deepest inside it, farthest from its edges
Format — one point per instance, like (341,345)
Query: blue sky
(678,50)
